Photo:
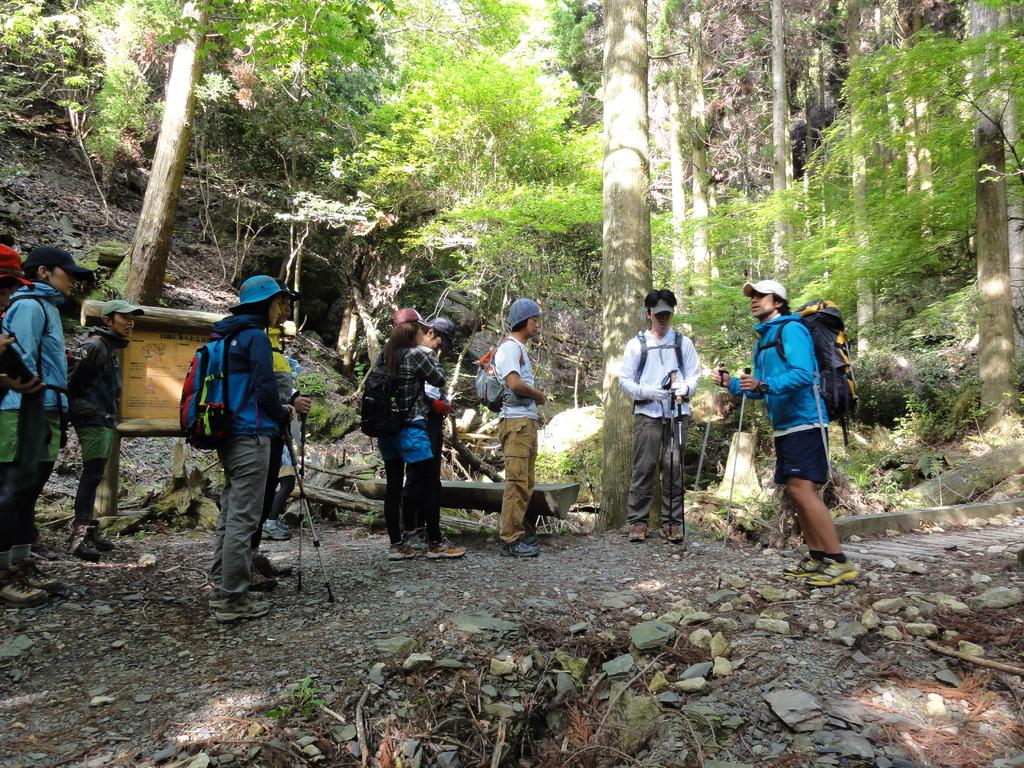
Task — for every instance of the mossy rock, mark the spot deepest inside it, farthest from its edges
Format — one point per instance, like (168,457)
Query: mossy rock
(121,524)
(331,421)
(107,253)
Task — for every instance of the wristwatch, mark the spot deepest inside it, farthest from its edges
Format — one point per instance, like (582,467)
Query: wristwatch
(763,387)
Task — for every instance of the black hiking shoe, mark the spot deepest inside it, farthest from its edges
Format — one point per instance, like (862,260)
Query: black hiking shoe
(81,545)
(519,549)
(261,564)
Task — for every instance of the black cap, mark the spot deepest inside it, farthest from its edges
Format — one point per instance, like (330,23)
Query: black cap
(51,256)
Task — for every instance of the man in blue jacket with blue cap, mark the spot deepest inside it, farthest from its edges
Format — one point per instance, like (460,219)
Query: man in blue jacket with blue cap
(787,382)
(257,416)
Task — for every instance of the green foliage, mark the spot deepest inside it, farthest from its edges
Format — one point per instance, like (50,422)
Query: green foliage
(581,465)
(303,701)
(120,108)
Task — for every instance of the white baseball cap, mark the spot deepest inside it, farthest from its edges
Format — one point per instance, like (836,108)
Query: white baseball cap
(765,287)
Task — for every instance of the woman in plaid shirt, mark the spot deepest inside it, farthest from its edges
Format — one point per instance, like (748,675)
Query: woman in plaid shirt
(406,356)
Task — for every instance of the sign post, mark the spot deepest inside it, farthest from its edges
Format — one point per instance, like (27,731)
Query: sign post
(153,367)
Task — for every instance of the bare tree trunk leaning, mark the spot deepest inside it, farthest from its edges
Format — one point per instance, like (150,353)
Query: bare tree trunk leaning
(858,163)
(152,241)
(1015,231)
(995,315)
(626,263)
(699,154)
(680,253)
(782,168)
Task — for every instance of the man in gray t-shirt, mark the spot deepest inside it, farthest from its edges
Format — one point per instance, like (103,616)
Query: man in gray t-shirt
(517,428)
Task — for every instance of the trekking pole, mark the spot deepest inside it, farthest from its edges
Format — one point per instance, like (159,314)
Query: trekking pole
(300,471)
(732,485)
(704,445)
(682,466)
(823,427)
(308,518)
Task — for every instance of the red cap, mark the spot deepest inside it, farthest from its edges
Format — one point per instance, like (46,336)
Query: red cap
(406,315)
(10,266)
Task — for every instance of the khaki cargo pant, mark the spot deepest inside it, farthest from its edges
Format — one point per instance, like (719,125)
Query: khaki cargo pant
(519,444)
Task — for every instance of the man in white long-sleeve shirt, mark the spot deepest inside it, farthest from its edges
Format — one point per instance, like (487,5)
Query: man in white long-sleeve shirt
(660,370)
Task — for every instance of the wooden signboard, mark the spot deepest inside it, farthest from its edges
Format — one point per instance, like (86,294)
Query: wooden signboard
(153,367)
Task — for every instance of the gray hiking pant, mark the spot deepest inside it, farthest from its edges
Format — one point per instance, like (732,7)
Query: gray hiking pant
(245,459)
(655,443)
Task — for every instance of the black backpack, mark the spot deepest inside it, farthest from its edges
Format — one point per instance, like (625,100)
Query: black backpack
(837,385)
(380,412)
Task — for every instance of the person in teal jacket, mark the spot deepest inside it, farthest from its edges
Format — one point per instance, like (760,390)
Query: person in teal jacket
(258,415)
(785,376)
(31,424)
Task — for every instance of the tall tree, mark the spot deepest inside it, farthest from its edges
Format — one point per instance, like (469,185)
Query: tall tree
(858,166)
(677,163)
(699,151)
(626,263)
(152,240)
(995,314)
(782,156)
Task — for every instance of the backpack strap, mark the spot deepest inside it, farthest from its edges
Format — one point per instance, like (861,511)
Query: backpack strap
(642,362)
(775,343)
(679,351)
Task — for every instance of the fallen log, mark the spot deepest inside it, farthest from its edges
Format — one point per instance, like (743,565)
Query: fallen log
(971,478)
(549,499)
(345,500)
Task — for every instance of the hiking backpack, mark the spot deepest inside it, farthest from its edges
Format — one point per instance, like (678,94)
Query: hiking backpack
(837,385)
(490,390)
(642,362)
(381,414)
(204,410)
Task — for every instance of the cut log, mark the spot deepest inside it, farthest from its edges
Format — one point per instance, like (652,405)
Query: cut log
(740,466)
(971,478)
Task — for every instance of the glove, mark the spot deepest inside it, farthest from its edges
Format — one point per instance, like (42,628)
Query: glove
(681,390)
(654,393)
(443,407)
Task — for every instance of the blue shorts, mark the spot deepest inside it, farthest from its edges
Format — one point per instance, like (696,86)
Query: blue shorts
(801,454)
(410,445)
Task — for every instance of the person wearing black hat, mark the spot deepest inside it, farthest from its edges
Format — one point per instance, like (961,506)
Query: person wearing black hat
(439,340)
(94,385)
(31,427)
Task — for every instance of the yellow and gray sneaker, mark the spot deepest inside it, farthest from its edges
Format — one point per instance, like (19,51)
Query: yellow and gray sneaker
(14,592)
(832,573)
(802,570)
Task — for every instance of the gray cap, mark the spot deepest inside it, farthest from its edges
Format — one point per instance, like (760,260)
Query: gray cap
(121,307)
(522,309)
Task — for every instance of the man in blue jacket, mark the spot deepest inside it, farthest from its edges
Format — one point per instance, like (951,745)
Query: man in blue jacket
(257,416)
(31,424)
(787,383)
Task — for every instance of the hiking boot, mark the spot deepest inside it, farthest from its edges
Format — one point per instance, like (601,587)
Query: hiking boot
(444,549)
(101,542)
(258,583)
(15,593)
(217,600)
(275,532)
(638,531)
(32,576)
(235,608)
(673,533)
(81,545)
(261,564)
(417,540)
(806,567)
(401,551)
(832,573)
(519,549)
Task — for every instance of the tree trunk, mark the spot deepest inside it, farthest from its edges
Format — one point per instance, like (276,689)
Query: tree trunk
(626,263)
(995,315)
(1015,232)
(680,253)
(699,154)
(782,170)
(858,164)
(348,331)
(152,241)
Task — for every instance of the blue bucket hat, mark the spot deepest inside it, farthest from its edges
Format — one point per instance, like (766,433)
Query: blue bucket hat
(522,309)
(258,289)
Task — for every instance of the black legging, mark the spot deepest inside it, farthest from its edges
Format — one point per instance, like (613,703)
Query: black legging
(424,473)
(413,510)
(285,487)
(85,497)
(19,491)
(276,448)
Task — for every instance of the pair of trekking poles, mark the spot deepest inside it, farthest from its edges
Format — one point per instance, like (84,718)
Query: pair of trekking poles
(305,516)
